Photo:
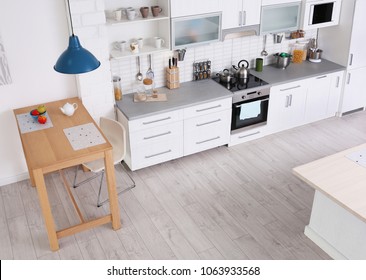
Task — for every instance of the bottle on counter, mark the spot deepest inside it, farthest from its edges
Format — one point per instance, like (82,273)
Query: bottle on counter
(117,88)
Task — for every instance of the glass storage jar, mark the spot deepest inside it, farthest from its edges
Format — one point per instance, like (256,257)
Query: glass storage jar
(117,88)
(298,53)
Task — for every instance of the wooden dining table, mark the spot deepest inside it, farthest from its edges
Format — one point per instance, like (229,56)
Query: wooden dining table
(47,149)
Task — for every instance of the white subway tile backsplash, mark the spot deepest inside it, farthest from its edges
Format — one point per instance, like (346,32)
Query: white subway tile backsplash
(84,6)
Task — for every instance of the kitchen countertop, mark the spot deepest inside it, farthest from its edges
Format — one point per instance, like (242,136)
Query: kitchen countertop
(188,94)
(275,76)
(198,92)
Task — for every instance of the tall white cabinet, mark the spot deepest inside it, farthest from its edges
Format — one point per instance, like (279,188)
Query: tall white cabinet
(239,13)
(344,44)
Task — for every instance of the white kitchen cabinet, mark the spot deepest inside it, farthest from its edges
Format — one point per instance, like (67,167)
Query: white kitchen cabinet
(354,94)
(207,126)
(238,13)
(154,139)
(287,105)
(238,137)
(348,37)
(146,28)
(317,98)
(165,136)
(275,2)
(181,8)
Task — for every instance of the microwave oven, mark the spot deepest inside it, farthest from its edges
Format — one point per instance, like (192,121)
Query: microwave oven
(320,13)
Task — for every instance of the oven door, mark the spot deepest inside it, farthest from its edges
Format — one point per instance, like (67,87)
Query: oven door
(250,112)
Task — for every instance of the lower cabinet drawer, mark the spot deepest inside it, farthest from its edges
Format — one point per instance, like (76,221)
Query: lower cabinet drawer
(156,152)
(206,132)
(247,135)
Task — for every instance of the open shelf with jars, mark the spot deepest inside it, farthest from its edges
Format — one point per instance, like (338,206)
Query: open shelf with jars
(147,29)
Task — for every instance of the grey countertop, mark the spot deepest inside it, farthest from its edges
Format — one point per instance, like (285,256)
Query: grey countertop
(198,92)
(274,76)
(188,94)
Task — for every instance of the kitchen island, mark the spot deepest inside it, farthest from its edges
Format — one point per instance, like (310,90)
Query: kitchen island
(338,218)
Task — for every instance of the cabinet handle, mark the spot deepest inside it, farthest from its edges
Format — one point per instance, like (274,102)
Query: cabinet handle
(208,140)
(206,123)
(154,121)
(290,102)
(287,101)
(240,17)
(157,135)
(338,80)
(251,134)
(349,78)
(321,77)
(285,89)
(159,154)
(351,60)
(209,108)
(244,20)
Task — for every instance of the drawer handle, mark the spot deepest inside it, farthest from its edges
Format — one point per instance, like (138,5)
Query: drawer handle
(251,134)
(321,77)
(351,60)
(157,135)
(208,140)
(155,121)
(284,89)
(338,79)
(159,154)
(209,108)
(206,123)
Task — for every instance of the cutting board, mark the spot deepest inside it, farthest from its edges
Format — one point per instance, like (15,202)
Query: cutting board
(155,97)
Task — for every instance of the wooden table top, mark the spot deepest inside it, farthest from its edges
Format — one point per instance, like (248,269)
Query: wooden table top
(339,178)
(49,149)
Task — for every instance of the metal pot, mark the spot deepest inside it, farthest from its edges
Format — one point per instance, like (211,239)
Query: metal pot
(225,76)
(242,72)
(282,60)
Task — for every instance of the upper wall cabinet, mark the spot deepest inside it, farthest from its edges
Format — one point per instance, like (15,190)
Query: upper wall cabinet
(275,2)
(238,13)
(280,18)
(181,8)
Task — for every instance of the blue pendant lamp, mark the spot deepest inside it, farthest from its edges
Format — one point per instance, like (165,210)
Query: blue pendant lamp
(75,59)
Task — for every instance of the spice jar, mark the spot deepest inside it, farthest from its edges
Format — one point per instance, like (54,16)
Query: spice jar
(117,88)
(149,87)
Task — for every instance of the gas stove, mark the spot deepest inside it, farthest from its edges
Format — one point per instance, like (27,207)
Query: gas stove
(246,89)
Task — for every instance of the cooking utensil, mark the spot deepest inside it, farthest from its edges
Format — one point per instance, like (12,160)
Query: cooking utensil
(225,76)
(181,53)
(264,52)
(242,72)
(150,73)
(139,74)
(315,55)
(283,60)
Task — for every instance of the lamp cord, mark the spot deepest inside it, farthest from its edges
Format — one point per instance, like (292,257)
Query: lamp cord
(72,27)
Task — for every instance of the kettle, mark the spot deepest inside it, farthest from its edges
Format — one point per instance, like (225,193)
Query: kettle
(242,72)
(69,109)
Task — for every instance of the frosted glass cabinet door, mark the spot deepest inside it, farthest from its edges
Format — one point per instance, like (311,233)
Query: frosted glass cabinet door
(280,18)
(196,30)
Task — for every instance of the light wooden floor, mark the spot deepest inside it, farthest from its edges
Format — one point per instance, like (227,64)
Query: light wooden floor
(241,202)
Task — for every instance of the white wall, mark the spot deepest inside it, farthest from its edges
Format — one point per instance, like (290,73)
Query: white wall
(34,33)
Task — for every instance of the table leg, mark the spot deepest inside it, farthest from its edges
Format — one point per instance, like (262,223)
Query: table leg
(112,190)
(46,208)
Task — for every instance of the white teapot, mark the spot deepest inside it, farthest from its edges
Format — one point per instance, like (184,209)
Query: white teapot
(69,109)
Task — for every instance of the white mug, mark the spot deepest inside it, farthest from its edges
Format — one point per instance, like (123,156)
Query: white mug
(117,15)
(131,14)
(120,45)
(134,47)
(158,42)
(140,41)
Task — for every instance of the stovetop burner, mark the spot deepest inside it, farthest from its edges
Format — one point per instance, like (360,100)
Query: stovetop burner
(242,84)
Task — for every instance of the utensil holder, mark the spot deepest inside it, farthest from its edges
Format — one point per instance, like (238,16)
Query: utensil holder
(172,77)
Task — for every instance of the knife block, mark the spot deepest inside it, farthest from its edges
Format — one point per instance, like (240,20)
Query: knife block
(172,77)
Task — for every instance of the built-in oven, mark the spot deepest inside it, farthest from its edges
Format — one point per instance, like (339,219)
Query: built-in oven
(321,13)
(250,101)
(251,110)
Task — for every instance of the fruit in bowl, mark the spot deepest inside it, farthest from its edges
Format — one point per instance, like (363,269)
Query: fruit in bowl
(35,113)
(42,119)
